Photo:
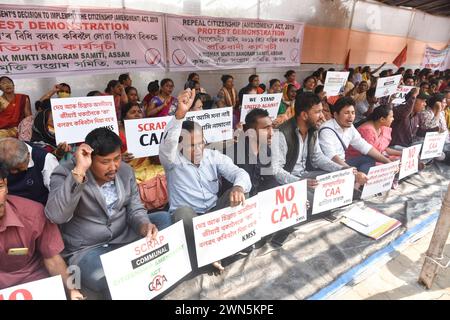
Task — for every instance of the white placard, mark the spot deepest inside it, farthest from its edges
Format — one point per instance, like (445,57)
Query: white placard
(334,190)
(145,268)
(335,83)
(387,86)
(282,207)
(74,118)
(144,135)
(222,233)
(410,161)
(217,123)
(270,102)
(399,97)
(380,179)
(433,145)
(46,289)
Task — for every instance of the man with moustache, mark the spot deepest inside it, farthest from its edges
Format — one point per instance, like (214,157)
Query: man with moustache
(95,200)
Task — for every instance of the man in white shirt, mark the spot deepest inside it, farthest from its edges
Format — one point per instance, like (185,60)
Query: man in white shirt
(30,168)
(337,134)
(193,172)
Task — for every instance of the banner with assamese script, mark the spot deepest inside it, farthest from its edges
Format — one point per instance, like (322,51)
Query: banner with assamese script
(222,43)
(436,59)
(50,41)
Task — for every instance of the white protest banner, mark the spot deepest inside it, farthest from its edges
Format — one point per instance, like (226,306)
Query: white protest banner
(270,102)
(387,86)
(222,233)
(211,43)
(334,190)
(51,41)
(410,161)
(74,118)
(436,59)
(433,144)
(282,207)
(46,289)
(217,123)
(380,179)
(145,268)
(399,97)
(144,135)
(335,83)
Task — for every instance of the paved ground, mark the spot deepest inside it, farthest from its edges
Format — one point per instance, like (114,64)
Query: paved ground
(397,279)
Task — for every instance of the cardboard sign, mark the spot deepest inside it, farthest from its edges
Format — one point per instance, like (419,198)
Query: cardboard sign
(334,190)
(335,83)
(410,161)
(380,179)
(144,135)
(433,145)
(217,123)
(222,233)
(46,289)
(387,86)
(74,118)
(269,102)
(145,268)
(282,207)
(399,97)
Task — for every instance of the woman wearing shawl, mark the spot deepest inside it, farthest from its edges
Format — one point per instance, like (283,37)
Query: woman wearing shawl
(164,104)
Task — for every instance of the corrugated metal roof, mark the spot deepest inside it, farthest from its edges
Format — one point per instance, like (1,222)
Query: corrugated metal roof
(439,7)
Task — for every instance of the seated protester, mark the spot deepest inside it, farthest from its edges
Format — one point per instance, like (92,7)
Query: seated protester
(296,154)
(358,93)
(125,80)
(227,96)
(447,109)
(309,84)
(153,89)
(262,86)
(274,86)
(193,173)
(197,105)
(30,168)
(132,95)
(196,78)
(43,132)
(163,104)
(286,109)
(115,89)
(251,151)
(406,119)
(425,88)
(95,199)
(377,131)
(323,99)
(24,227)
(365,108)
(253,82)
(14,107)
(94,93)
(408,80)
(63,90)
(432,119)
(337,134)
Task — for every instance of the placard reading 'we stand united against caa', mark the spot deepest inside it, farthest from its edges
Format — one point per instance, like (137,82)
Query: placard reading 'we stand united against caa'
(50,41)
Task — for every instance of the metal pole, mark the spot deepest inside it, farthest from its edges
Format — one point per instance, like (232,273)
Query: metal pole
(436,248)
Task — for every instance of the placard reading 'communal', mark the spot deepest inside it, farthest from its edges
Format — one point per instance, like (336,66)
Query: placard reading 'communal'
(49,41)
(219,43)
(145,268)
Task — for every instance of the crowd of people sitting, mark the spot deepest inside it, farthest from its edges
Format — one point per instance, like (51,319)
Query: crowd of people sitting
(68,204)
